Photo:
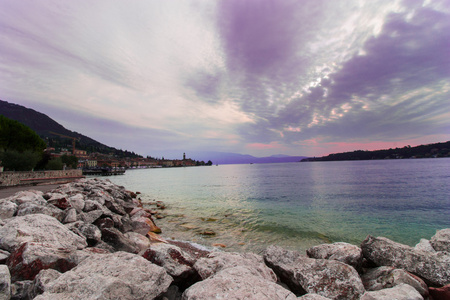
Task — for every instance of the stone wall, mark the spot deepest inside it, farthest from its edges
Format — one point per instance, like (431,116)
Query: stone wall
(38,177)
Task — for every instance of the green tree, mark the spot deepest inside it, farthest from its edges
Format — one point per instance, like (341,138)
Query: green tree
(54,164)
(18,137)
(19,161)
(71,161)
(20,147)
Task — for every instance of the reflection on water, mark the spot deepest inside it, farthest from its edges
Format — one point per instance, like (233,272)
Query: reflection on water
(298,205)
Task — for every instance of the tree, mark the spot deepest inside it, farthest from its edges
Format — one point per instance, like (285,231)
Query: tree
(70,160)
(18,137)
(54,164)
(20,147)
(16,161)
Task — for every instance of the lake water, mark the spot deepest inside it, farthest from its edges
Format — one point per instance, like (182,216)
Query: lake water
(298,205)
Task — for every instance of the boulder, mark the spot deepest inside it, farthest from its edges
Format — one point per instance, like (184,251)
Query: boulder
(141,242)
(424,245)
(29,208)
(90,217)
(313,297)
(57,199)
(387,277)
(143,225)
(177,263)
(238,282)
(328,278)
(117,275)
(21,290)
(41,280)
(116,239)
(442,293)
(115,206)
(399,292)
(4,256)
(28,260)
(77,201)
(91,232)
(7,209)
(434,268)
(217,261)
(5,283)
(27,196)
(343,252)
(38,228)
(70,216)
(441,240)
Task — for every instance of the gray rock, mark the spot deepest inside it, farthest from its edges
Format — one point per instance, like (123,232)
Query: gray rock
(29,259)
(7,209)
(313,297)
(89,217)
(21,289)
(328,278)
(237,283)
(70,215)
(38,228)
(141,242)
(27,196)
(116,239)
(29,208)
(177,263)
(91,232)
(117,275)
(217,261)
(424,245)
(4,256)
(41,280)
(281,261)
(90,205)
(5,283)
(114,206)
(143,225)
(434,268)
(441,240)
(343,252)
(399,292)
(387,277)
(77,202)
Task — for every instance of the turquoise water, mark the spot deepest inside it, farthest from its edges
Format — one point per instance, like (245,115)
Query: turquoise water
(298,205)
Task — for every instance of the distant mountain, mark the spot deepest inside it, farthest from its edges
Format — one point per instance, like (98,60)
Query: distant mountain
(422,151)
(46,126)
(223,158)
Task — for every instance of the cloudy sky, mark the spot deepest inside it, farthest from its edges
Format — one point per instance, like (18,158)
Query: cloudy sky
(260,77)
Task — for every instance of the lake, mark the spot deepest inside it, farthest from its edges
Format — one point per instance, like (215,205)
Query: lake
(298,205)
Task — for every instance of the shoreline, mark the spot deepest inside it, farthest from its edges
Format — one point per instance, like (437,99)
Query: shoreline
(98,226)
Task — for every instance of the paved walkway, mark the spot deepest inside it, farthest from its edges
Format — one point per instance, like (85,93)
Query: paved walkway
(9,191)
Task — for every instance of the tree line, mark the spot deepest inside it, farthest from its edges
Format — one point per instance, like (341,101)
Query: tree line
(22,149)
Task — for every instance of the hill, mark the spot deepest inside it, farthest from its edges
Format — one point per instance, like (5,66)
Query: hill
(422,151)
(222,158)
(45,127)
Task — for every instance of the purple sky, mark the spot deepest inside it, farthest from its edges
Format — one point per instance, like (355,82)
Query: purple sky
(256,77)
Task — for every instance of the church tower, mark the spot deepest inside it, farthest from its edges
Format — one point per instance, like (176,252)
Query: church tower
(184,156)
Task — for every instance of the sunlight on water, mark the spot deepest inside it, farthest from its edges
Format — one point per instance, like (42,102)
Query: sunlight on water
(299,205)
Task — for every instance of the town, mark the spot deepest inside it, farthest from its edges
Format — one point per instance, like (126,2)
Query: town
(96,160)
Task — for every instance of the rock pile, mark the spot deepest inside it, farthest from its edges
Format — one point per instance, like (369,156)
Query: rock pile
(91,239)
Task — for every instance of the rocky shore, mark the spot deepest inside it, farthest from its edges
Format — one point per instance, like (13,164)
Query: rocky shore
(92,239)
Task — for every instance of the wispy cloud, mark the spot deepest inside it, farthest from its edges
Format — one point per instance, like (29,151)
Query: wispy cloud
(242,76)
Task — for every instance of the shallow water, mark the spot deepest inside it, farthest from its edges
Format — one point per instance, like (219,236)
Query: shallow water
(298,205)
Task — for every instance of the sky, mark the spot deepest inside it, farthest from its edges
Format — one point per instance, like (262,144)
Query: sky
(259,77)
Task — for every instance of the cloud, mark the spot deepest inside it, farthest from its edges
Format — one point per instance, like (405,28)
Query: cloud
(397,88)
(231,74)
